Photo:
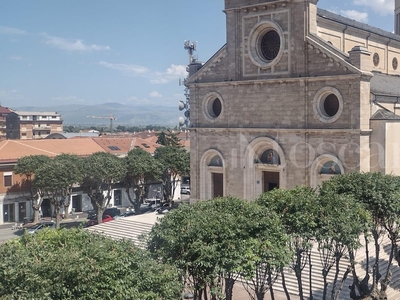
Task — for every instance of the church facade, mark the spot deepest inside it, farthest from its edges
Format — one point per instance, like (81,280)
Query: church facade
(296,95)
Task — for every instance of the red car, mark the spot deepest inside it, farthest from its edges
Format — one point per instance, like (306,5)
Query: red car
(106,218)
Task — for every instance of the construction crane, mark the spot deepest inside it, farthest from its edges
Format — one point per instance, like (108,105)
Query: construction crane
(110,117)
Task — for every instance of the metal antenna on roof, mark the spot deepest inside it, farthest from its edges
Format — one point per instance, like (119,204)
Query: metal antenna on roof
(190,47)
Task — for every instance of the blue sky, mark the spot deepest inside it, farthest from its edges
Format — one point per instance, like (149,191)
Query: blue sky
(125,51)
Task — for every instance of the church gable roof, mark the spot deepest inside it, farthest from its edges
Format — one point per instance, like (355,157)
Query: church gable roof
(383,114)
(212,69)
(327,58)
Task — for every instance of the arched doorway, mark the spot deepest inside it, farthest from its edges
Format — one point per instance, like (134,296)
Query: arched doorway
(212,172)
(323,168)
(270,175)
(264,167)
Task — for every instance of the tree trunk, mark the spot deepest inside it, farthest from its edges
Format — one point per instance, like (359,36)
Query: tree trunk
(341,284)
(375,271)
(66,207)
(35,215)
(284,285)
(337,270)
(297,270)
(324,274)
(36,204)
(229,283)
(271,290)
(57,212)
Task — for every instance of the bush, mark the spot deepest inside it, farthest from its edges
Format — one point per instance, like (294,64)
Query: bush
(77,264)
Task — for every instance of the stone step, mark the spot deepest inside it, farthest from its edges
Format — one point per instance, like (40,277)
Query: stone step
(123,228)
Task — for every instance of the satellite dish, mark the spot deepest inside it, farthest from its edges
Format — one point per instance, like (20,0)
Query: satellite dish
(187,114)
(181,121)
(182,105)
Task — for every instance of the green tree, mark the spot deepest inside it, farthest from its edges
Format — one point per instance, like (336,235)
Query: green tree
(298,210)
(341,220)
(379,194)
(101,171)
(56,178)
(269,250)
(175,162)
(141,170)
(214,241)
(168,138)
(75,164)
(77,264)
(28,166)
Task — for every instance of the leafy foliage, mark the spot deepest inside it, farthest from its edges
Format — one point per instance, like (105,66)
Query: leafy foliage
(341,221)
(77,264)
(297,209)
(141,170)
(100,171)
(168,138)
(27,166)
(175,162)
(380,196)
(219,239)
(56,178)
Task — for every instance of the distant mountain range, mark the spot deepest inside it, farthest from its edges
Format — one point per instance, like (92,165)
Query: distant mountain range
(125,114)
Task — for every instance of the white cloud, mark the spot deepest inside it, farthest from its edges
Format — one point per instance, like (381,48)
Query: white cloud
(11,97)
(382,7)
(355,15)
(17,57)
(174,72)
(72,45)
(125,68)
(155,94)
(11,31)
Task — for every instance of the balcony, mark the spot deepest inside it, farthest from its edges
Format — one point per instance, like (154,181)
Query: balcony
(41,128)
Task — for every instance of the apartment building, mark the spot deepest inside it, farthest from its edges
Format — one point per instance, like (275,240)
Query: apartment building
(4,111)
(32,125)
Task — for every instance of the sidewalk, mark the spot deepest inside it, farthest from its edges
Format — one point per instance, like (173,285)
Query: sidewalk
(81,216)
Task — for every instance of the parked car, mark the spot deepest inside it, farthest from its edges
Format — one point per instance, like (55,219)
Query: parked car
(106,218)
(40,226)
(163,209)
(185,190)
(111,211)
(129,213)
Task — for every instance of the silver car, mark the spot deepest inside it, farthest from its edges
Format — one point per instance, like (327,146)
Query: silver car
(185,190)
(39,226)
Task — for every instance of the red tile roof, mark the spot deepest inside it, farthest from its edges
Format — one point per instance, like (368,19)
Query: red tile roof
(12,150)
(4,110)
(122,145)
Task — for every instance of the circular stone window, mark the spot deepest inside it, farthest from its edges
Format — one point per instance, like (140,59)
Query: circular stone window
(395,63)
(216,107)
(375,58)
(328,104)
(266,43)
(212,106)
(270,45)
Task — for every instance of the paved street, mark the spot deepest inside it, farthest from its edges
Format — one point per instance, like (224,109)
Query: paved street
(6,231)
(7,234)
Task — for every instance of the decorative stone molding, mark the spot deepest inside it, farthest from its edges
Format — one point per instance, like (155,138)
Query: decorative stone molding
(321,107)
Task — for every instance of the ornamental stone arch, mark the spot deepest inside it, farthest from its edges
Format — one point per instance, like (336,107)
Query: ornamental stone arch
(212,175)
(261,173)
(323,168)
